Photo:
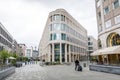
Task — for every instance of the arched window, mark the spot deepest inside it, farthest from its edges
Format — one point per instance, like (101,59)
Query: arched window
(113,40)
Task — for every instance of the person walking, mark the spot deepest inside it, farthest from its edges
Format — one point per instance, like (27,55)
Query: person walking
(76,64)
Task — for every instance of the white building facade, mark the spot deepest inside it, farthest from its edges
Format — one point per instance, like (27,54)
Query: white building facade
(6,40)
(92,45)
(63,39)
(108,21)
(29,52)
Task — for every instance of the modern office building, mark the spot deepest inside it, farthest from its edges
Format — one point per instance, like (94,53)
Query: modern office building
(6,40)
(63,39)
(108,20)
(92,45)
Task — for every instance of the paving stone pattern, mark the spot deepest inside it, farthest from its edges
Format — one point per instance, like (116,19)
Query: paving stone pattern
(58,72)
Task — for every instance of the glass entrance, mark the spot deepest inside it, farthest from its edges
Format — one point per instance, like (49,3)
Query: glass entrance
(57,52)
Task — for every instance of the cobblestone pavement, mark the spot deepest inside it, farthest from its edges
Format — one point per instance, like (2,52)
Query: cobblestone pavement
(58,72)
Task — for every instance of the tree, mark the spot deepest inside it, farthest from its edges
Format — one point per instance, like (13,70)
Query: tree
(3,56)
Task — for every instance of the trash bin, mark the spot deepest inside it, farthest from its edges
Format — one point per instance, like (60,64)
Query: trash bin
(84,64)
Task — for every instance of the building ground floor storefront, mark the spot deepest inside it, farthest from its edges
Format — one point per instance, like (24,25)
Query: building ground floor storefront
(108,56)
(62,52)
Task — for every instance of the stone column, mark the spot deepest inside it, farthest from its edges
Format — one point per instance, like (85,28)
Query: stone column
(107,59)
(69,54)
(60,53)
(49,53)
(65,52)
(53,59)
(117,59)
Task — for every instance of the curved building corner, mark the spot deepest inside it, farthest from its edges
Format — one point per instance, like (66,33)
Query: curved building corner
(63,39)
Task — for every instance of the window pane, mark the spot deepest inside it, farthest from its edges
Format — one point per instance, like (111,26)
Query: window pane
(54,37)
(116,4)
(63,36)
(106,10)
(117,19)
(108,23)
(62,18)
(57,17)
(58,35)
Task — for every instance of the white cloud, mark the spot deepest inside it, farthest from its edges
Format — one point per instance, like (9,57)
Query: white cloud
(26,19)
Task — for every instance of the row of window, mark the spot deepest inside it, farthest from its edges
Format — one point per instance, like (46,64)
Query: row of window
(109,24)
(76,41)
(90,43)
(5,42)
(60,17)
(64,27)
(116,4)
(57,17)
(90,48)
(77,49)
(72,49)
(58,36)
(62,36)
(2,32)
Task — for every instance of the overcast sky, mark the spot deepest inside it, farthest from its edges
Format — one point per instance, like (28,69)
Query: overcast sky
(25,19)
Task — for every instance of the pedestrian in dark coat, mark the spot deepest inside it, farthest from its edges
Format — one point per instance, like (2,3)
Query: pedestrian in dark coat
(76,64)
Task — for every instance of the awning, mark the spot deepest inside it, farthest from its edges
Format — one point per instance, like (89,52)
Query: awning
(11,58)
(108,50)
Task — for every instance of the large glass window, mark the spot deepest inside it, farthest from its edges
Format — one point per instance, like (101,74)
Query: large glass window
(113,39)
(63,27)
(63,36)
(117,19)
(108,23)
(90,48)
(57,26)
(62,18)
(57,52)
(90,43)
(116,4)
(55,36)
(57,17)
(58,35)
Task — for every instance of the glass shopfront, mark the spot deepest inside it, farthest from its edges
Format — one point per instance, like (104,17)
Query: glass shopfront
(57,52)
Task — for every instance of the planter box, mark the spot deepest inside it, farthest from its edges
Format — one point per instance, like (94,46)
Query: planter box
(107,69)
(6,72)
